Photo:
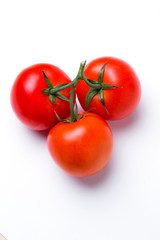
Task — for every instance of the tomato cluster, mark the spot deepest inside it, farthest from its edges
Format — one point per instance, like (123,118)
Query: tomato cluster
(43,97)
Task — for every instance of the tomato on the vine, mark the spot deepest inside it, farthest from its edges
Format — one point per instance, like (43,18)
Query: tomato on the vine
(112,103)
(81,148)
(34,108)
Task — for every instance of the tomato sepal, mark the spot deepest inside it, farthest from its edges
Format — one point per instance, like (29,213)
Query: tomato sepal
(49,84)
(100,76)
(98,87)
(100,94)
(52,96)
(91,93)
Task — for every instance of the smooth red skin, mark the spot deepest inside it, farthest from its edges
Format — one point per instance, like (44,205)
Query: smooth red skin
(31,106)
(120,102)
(81,148)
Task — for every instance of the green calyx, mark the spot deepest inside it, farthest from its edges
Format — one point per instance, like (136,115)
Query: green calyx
(97,88)
(49,91)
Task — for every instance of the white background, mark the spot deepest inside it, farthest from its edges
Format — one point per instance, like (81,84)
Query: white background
(37,199)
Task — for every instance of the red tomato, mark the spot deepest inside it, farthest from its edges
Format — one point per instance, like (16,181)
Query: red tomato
(120,102)
(31,106)
(81,148)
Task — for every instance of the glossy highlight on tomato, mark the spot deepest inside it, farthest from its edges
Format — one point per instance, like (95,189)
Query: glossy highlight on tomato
(81,148)
(32,107)
(119,102)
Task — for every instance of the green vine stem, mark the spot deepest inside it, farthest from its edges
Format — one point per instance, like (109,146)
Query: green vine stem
(73,84)
(58,89)
(73,117)
(97,87)
(79,76)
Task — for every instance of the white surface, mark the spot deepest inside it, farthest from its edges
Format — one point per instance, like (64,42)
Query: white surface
(37,199)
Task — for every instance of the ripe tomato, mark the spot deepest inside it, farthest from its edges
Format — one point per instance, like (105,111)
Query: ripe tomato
(31,106)
(120,102)
(81,148)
